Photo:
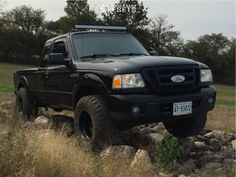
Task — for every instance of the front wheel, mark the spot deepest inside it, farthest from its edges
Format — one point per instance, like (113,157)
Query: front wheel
(187,127)
(92,124)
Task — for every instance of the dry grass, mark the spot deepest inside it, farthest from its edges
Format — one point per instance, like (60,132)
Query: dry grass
(29,152)
(222,118)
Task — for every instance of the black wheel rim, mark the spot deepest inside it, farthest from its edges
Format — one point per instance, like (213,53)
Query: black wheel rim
(86,126)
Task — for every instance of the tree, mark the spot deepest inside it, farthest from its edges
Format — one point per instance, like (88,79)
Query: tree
(77,12)
(217,51)
(130,13)
(25,18)
(80,11)
(133,14)
(22,34)
(165,39)
(207,47)
(63,25)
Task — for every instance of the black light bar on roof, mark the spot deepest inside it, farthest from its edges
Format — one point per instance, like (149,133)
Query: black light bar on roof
(100,27)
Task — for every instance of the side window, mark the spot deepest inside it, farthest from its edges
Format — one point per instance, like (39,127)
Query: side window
(60,47)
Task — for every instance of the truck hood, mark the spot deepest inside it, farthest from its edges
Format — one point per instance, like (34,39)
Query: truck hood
(133,64)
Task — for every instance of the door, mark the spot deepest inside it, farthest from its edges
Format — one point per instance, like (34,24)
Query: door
(40,77)
(59,83)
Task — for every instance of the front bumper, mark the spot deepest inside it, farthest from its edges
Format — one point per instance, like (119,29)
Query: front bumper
(153,108)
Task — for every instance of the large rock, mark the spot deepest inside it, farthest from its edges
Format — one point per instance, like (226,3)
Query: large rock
(186,168)
(209,135)
(198,145)
(212,165)
(142,165)
(155,138)
(233,143)
(160,128)
(215,145)
(187,145)
(219,134)
(146,130)
(123,152)
(141,159)
(210,158)
(41,120)
(187,142)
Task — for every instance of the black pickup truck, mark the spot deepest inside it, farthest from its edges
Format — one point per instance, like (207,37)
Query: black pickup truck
(111,82)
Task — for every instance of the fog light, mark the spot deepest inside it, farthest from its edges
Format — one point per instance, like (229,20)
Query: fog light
(135,110)
(210,100)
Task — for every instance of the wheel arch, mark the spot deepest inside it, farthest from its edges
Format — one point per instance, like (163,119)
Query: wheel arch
(90,84)
(22,82)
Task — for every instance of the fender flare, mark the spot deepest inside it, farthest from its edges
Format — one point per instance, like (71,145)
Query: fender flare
(91,81)
(22,81)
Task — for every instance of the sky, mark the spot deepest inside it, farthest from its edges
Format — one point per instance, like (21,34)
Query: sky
(192,18)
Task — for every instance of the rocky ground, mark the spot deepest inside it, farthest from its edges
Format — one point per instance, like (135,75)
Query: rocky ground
(211,151)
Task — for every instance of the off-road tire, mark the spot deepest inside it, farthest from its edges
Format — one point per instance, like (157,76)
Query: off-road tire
(103,129)
(25,106)
(187,127)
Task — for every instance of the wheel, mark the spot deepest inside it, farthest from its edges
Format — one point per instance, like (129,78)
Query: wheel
(92,124)
(24,105)
(187,127)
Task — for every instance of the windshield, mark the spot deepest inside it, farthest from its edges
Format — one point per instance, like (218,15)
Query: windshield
(93,45)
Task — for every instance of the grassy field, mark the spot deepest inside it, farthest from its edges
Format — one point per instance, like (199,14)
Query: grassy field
(222,117)
(6,76)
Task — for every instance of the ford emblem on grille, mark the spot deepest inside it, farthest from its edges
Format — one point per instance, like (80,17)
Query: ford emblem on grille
(178,78)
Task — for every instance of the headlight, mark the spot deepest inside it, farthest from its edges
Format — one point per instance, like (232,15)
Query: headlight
(206,75)
(128,81)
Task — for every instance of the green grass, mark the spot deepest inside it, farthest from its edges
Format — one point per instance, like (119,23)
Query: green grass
(225,95)
(225,102)
(6,89)
(6,76)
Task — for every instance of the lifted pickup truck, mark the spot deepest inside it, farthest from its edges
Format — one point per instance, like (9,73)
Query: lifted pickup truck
(110,81)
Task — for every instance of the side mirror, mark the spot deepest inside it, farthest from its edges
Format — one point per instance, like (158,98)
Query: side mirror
(57,59)
(153,53)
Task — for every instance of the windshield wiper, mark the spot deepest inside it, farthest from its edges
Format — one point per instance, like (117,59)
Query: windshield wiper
(98,55)
(132,54)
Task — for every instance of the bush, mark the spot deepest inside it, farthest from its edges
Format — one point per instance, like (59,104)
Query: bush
(168,151)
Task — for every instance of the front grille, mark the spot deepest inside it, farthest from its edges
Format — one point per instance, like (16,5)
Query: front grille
(159,79)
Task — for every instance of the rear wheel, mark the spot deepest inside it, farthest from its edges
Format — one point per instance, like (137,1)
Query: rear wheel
(187,127)
(24,105)
(93,126)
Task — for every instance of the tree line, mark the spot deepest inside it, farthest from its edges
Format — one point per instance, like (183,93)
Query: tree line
(23,31)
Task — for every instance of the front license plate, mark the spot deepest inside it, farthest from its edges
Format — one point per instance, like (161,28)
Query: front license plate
(182,108)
